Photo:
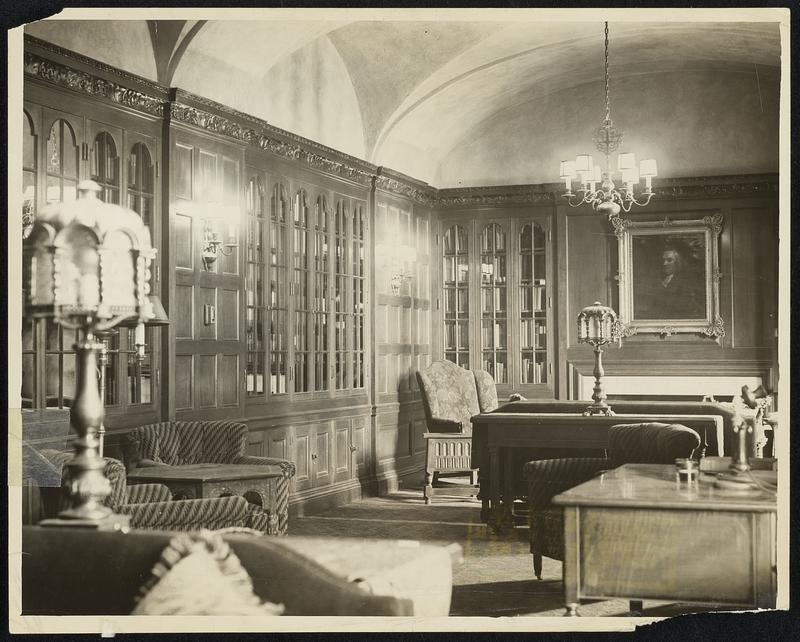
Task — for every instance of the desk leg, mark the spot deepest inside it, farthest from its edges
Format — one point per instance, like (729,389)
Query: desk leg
(508,486)
(483,492)
(494,486)
(571,552)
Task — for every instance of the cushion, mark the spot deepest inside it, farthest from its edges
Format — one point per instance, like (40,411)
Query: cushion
(198,574)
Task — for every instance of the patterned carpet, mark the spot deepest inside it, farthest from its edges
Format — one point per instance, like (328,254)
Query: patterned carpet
(496,577)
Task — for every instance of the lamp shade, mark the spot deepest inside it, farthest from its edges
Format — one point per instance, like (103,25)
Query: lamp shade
(596,324)
(87,259)
(568,169)
(648,167)
(159,317)
(626,161)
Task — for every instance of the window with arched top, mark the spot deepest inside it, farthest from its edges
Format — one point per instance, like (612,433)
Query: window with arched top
(533,328)
(494,302)
(455,279)
(62,163)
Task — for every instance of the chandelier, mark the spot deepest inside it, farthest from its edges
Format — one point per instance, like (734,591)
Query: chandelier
(607,199)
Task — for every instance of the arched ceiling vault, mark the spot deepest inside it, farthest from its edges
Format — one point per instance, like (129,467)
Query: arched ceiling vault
(414,95)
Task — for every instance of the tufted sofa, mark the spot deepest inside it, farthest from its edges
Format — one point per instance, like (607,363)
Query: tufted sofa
(177,443)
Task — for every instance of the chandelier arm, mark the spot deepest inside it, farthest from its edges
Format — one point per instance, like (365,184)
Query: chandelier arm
(581,201)
(645,202)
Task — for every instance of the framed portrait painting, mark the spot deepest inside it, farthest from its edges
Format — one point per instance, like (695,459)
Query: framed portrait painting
(669,276)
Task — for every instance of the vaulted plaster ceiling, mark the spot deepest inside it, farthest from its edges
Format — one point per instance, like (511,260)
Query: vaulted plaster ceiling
(472,102)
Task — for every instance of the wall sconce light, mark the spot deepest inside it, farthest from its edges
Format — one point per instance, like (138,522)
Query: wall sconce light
(597,326)
(397,260)
(213,245)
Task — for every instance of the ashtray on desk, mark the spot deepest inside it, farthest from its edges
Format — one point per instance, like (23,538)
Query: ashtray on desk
(687,470)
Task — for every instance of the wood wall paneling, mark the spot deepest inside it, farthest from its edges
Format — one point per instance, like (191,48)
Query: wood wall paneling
(229,379)
(183,381)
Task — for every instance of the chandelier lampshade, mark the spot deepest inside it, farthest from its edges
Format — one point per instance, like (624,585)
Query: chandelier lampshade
(597,186)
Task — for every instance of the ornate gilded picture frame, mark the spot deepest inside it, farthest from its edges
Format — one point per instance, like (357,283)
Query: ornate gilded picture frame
(669,276)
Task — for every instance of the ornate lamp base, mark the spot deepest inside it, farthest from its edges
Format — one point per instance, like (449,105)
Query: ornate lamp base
(598,409)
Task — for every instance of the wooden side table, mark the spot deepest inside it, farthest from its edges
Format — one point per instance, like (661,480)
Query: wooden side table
(198,481)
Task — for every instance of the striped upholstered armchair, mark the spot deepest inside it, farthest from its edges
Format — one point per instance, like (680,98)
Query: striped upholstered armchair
(150,506)
(644,443)
(177,443)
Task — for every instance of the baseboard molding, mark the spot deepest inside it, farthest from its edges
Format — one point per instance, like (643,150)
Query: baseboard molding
(317,500)
(390,481)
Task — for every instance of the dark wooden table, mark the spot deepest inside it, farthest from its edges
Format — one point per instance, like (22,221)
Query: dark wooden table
(497,434)
(638,533)
(256,484)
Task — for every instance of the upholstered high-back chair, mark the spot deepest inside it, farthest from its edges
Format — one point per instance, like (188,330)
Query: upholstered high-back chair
(180,443)
(643,443)
(451,396)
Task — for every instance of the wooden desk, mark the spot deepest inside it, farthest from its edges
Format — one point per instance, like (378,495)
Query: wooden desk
(497,434)
(637,533)
(256,484)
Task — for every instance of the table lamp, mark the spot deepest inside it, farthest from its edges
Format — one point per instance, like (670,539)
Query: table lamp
(86,265)
(597,327)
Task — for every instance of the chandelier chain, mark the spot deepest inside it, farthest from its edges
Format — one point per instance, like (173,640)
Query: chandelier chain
(608,94)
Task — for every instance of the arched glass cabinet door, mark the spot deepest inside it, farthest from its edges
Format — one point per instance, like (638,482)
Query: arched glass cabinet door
(104,166)
(342,319)
(62,162)
(140,197)
(300,295)
(533,304)
(278,299)
(494,302)
(321,294)
(255,305)
(455,279)
(359,286)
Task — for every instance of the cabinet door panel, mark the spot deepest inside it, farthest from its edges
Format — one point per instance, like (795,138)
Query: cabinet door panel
(302,456)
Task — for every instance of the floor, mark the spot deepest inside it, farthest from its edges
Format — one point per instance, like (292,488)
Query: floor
(496,577)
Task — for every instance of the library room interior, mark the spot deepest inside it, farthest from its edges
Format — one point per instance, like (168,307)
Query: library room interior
(412,314)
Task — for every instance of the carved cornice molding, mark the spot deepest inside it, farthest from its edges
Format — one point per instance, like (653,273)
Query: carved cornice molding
(230,125)
(401,188)
(704,187)
(125,77)
(91,85)
(495,195)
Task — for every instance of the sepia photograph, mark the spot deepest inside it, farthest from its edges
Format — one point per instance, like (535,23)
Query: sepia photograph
(421,319)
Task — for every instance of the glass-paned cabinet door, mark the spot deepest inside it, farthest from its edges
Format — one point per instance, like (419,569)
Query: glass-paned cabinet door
(62,162)
(455,279)
(300,296)
(342,319)
(359,283)
(494,302)
(278,299)
(104,166)
(140,197)
(533,304)
(321,294)
(255,304)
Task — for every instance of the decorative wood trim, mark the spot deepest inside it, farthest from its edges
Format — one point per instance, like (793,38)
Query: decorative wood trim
(219,119)
(494,195)
(91,85)
(148,86)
